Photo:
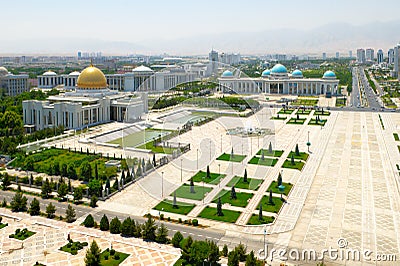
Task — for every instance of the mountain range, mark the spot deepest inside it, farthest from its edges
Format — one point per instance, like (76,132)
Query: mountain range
(330,38)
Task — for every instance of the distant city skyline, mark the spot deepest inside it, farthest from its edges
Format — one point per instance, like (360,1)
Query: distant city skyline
(158,26)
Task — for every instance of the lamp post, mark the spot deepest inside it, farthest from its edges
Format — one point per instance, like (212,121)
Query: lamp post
(308,142)
(265,248)
(219,174)
(197,160)
(210,150)
(162,185)
(181,169)
(221,142)
(203,190)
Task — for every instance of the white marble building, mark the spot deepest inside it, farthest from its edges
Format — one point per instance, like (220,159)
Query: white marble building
(279,81)
(13,84)
(89,104)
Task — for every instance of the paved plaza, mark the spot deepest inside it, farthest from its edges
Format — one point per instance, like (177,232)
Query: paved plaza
(51,235)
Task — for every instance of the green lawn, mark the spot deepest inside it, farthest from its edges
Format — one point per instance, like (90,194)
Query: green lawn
(279,118)
(73,247)
(241,200)
(211,213)
(303,112)
(255,221)
(157,149)
(275,189)
(184,192)
(252,183)
(167,206)
(297,165)
(2,225)
(299,121)
(306,102)
(45,161)
(141,137)
(321,122)
(268,207)
(265,162)
(285,111)
(112,260)
(320,113)
(303,155)
(22,234)
(235,158)
(396,136)
(213,179)
(275,153)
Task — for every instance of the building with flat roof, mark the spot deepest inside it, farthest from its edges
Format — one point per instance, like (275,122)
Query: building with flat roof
(278,81)
(91,103)
(13,85)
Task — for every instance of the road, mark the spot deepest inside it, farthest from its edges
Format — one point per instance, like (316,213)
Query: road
(81,211)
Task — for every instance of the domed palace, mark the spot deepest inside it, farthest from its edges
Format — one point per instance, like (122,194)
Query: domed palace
(278,80)
(91,102)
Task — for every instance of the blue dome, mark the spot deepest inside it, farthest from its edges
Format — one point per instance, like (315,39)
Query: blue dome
(297,73)
(226,74)
(279,69)
(329,74)
(265,73)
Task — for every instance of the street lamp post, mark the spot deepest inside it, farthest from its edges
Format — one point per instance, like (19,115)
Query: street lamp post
(162,185)
(181,169)
(210,150)
(203,190)
(219,174)
(197,160)
(265,248)
(308,142)
(221,142)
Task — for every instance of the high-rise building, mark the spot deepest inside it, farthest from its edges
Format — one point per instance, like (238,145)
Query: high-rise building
(213,58)
(323,56)
(396,61)
(361,56)
(79,55)
(350,54)
(379,56)
(391,56)
(337,55)
(370,54)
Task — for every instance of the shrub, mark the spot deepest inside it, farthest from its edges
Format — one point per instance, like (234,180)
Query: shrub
(195,222)
(180,220)
(112,252)
(161,216)
(116,256)
(74,251)
(169,219)
(105,257)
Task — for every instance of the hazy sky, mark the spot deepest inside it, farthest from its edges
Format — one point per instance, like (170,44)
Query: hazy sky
(135,21)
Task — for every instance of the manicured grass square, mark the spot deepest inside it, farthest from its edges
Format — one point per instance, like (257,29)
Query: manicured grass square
(73,247)
(303,112)
(299,121)
(275,153)
(285,111)
(396,136)
(297,165)
(202,176)
(22,234)
(252,183)
(241,200)
(112,261)
(265,162)
(211,213)
(184,192)
(306,102)
(255,221)
(302,155)
(167,206)
(275,189)
(320,113)
(278,117)
(321,122)
(235,158)
(268,207)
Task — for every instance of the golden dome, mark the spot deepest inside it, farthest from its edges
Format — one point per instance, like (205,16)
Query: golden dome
(92,78)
